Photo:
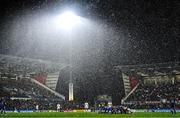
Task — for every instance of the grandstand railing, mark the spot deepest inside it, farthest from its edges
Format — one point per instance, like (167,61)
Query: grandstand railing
(125,98)
(52,91)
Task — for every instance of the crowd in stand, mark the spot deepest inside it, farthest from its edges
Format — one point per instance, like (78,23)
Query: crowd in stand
(22,94)
(25,88)
(154,96)
(155,92)
(16,105)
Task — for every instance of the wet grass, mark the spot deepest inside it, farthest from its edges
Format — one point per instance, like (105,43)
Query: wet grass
(89,115)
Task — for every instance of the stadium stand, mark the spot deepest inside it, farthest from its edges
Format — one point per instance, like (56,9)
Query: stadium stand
(156,92)
(28,91)
(22,83)
(151,85)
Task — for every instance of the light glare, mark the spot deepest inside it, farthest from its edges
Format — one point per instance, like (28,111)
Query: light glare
(68,20)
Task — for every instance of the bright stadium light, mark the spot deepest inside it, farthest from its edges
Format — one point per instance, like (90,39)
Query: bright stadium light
(67,20)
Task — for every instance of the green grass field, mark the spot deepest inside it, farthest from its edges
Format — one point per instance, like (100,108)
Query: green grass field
(87,115)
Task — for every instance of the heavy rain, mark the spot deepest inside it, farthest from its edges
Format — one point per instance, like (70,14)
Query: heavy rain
(84,50)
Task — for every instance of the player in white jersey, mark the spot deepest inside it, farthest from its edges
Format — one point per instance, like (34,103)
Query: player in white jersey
(58,107)
(37,108)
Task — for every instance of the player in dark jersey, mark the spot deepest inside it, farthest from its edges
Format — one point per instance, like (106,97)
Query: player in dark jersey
(2,106)
(173,106)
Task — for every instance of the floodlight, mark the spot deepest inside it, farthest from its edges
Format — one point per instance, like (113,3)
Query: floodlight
(67,20)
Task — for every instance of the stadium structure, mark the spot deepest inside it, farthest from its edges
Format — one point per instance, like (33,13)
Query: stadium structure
(149,86)
(26,83)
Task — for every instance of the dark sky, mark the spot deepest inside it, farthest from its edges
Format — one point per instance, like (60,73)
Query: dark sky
(151,27)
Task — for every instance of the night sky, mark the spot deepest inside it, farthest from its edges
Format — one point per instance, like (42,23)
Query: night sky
(137,32)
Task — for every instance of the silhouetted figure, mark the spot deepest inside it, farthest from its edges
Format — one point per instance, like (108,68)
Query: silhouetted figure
(173,106)
(2,106)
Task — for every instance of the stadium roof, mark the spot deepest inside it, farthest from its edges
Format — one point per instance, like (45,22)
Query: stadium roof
(18,65)
(158,69)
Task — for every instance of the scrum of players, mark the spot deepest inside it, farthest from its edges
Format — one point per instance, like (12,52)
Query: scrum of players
(115,110)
